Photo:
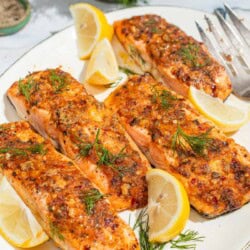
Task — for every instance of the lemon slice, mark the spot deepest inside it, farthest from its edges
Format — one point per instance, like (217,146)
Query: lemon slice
(102,67)
(227,117)
(168,206)
(91,26)
(17,224)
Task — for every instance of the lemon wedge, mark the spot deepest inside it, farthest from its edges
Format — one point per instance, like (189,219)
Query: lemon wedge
(91,26)
(17,224)
(102,68)
(228,118)
(168,206)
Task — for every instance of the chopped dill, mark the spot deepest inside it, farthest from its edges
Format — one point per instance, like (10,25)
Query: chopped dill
(55,231)
(141,224)
(114,84)
(126,71)
(192,56)
(26,87)
(34,149)
(85,147)
(13,151)
(58,82)
(164,97)
(198,143)
(89,198)
(135,53)
(185,240)
(105,157)
(37,149)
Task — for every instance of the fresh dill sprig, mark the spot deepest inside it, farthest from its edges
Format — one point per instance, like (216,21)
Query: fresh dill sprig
(34,149)
(130,2)
(57,81)
(25,88)
(13,151)
(185,240)
(89,198)
(55,232)
(105,157)
(85,147)
(191,55)
(164,97)
(198,143)
(114,84)
(127,71)
(135,54)
(37,149)
(141,224)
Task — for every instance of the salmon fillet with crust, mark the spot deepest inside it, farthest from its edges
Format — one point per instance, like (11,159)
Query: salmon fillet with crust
(60,109)
(56,191)
(214,169)
(171,56)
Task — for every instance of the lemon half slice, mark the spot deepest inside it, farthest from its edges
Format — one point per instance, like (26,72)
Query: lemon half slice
(168,206)
(102,67)
(227,117)
(17,224)
(91,26)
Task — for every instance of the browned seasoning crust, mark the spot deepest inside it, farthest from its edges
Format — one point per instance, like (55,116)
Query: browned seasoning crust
(59,108)
(172,56)
(53,187)
(217,179)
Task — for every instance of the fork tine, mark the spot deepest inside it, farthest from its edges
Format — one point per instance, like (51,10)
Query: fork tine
(223,43)
(233,38)
(208,43)
(244,31)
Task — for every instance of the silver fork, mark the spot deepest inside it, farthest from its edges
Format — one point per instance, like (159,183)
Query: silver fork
(232,49)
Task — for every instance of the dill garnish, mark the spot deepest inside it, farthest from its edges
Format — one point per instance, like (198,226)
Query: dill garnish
(114,84)
(90,198)
(34,149)
(192,56)
(185,240)
(141,224)
(58,82)
(25,88)
(126,71)
(164,97)
(135,53)
(198,143)
(129,2)
(55,231)
(13,151)
(85,147)
(105,157)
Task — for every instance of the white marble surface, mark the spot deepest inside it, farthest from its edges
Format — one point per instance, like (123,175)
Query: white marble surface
(49,17)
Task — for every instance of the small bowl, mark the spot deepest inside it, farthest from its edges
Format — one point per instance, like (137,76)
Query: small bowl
(7,30)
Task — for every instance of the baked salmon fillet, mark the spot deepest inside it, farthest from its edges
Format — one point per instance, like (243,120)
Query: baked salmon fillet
(71,210)
(214,169)
(171,56)
(59,108)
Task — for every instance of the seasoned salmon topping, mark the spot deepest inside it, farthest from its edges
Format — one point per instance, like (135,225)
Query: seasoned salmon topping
(72,211)
(59,108)
(172,56)
(175,137)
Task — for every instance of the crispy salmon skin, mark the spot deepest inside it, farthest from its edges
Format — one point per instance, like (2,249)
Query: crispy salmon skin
(171,56)
(175,137)
(59,108)
(56,191)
